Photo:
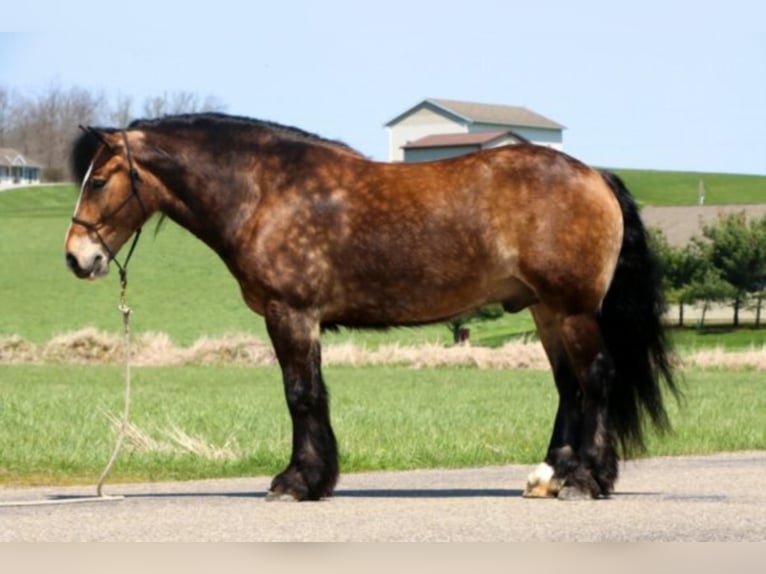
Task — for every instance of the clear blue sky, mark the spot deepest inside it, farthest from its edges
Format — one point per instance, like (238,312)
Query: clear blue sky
(652,84)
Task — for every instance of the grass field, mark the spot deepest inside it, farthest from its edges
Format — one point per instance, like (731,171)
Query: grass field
(172,275)
(724,336)
(665,188)
(196,422)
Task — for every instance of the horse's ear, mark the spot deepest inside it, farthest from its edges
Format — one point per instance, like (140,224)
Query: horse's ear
(99,135)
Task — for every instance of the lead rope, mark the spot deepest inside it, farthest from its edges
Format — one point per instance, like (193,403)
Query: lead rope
(125,310)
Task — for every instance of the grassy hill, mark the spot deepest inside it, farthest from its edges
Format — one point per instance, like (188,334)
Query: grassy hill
(666,188)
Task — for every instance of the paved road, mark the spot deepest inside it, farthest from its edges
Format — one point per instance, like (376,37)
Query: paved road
(715,498)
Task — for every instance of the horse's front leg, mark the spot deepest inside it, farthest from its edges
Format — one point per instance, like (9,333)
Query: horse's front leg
(313,469)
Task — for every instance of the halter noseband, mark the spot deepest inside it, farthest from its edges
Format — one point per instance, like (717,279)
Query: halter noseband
(135,179)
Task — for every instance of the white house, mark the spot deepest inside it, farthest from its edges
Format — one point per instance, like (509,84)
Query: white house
(15,169)
(437,128)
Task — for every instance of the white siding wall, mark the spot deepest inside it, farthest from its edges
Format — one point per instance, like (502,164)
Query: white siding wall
(18,175)
(422,123)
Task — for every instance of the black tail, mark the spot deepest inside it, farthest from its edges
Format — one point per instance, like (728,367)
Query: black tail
(631,324)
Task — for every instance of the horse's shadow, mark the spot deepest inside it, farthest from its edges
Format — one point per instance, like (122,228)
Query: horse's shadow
(429,493)
(359,493)
(382,493)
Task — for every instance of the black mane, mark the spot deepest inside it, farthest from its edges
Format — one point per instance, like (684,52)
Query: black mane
(86,145)
(216,122)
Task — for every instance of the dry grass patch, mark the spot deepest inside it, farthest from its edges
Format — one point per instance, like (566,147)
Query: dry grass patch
(512,355)
(91,346)
(173,440)
(753,358)
(15,350)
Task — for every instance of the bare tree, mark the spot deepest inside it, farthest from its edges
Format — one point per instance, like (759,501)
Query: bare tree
(43,126)
(156,106)
(180,103)
(121,113)
(20,125)
(6,116)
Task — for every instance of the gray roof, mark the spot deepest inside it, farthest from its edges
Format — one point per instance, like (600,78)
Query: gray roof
(9,155)
(473,112)
(461,139)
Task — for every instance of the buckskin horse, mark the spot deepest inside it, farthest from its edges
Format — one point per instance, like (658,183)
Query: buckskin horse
(319,236)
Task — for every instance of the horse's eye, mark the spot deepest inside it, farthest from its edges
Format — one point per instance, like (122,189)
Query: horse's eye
(97,183)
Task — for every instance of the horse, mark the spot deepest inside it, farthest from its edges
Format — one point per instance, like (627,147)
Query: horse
(319,236)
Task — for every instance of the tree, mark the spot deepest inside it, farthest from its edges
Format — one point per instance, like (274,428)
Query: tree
(42,126)
(180,103)
(5,115)
(683,269)
(121,114)
(708,286)
(736,248)
(688,275)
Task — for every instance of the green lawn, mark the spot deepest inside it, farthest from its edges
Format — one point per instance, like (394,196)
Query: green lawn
(54,426)
(177,285)
(723,336)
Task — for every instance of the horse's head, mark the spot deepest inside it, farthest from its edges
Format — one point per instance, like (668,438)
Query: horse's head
(113,201)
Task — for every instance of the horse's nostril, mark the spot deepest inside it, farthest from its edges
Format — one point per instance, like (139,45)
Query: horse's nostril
(72,263)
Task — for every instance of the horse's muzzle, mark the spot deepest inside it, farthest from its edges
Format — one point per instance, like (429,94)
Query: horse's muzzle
(97,265)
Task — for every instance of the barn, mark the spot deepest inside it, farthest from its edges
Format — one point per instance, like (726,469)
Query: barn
(438,128)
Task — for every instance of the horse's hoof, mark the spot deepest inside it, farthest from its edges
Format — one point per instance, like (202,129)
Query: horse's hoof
(572,493)
(541,483)
(538,491)
(272,496)
(291,485)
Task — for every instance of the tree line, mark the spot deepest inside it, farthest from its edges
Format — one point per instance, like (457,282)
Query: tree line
(726,264)
(41,126)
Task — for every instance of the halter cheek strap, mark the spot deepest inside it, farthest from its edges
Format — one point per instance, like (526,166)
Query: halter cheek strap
(94,227)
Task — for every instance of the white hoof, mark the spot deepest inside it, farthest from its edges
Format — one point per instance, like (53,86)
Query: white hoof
(541,483)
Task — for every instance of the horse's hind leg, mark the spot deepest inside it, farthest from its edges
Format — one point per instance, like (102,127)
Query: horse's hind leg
(581,460)
(561,458)
(594,369)
(313,468)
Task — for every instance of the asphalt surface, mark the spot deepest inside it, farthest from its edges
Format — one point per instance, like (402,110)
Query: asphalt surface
(711,498)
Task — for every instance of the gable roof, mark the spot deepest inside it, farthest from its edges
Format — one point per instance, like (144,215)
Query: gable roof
(474,112)
(461,139)
(11,157)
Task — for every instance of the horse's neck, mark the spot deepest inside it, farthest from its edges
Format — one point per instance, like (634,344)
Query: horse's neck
(215,210)
(212,212)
